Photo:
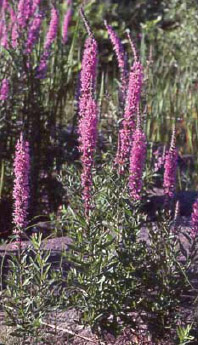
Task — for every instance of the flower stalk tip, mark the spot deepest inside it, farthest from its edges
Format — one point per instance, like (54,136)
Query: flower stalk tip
(170,168)
(21,190)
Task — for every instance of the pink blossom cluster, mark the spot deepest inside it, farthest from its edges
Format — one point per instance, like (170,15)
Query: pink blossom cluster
(50,37)
(87,139)
(19,21)
(3,26)
(194,219)
(21,189)
(33,32)
(24,12)
(129,120)
(42,68)
(88,114)
(170,169)
(13,28)
(88,72)
(3,33)
(4,5)
(14,34)
(159,159)
(52,31)
(120,54)
(4,91)
(35,5)
(137,161)
(66,23)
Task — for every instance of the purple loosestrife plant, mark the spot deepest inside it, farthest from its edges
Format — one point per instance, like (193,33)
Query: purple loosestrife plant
(50,37)
(131,106)
(21,191)
(42,69)
(87,139)
(14,35)
(170,168)
(137,162)
(4,91)
(4,36)
(1,29)
(24,12)
(87,113)
(33,32)
(159,156)
(66,23)
(4,5)
(35,5)
(194,219)
(52,31)
(88,70)
(121,58)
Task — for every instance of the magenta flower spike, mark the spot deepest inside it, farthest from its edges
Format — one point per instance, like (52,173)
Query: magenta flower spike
(12,17)
(50,37)
(4,91)
(170,168)
(87,114)
(194,219)
(88,72)
(4,37)
(2,24)
(66,23)
(42,68)
(88,69)
(35,5)
(4,5)
(87,139)
(33,33)
(128,123)
(24,12)
(21,191)
(15,35)
(52,31)
(120,54)
(137,162)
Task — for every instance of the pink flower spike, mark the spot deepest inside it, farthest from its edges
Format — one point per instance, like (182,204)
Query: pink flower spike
(33,33)
(89,66)
(35,5)
(15,35)
(87,139)
(52,31)
(137,162)
(24,12)
(66,23)
(21,191)
(170,168)
(4,5)
(4,37)
(88,113)
(129,120)
(4,91)
(88,72)
(194,219)
(42,68)
(120,54)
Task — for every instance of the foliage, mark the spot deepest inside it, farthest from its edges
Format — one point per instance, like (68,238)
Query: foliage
(31,292)
(184,335)
(119,263)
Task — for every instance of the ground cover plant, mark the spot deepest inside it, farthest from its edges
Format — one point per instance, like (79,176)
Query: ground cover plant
(94,233)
